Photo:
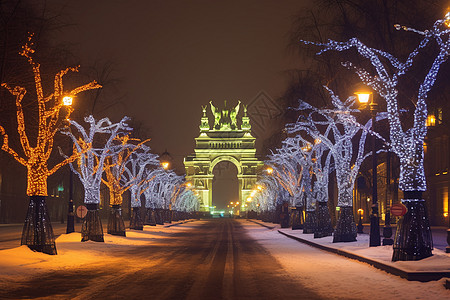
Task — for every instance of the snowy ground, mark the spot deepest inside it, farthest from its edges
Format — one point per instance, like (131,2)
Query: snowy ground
(336,277)
(330,275)
(19,264)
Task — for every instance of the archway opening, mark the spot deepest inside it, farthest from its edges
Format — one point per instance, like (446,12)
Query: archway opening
(225,185)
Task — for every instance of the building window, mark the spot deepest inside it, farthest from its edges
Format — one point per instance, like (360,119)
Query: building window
(445,201)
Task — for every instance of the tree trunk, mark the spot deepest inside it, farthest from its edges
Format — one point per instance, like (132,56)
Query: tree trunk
(310,222)
(116,226)
(150,217)
(92,229)
(345,228)
(413,240)
(136,220)
(323,221)
(297,215)
(37,231)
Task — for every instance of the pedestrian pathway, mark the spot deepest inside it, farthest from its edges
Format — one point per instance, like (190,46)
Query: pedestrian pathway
(432,268)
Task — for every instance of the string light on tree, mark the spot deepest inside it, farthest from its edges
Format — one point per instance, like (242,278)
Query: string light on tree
(413,236)
(51,112)
(89,165)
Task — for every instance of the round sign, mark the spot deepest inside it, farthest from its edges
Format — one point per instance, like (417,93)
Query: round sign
(398,210)
(81,211)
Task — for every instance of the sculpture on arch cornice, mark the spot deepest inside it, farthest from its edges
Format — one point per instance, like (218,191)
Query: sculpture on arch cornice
(233,115)
(217,115)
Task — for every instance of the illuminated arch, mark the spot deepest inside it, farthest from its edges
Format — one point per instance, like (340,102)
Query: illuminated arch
(229,139)
(222,158)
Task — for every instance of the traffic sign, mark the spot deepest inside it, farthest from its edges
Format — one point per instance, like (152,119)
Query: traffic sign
(398,210)
(81,211)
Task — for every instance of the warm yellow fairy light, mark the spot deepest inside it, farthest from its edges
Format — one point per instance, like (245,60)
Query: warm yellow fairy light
(165,165)
(269,170)
(114,180)
(35,158)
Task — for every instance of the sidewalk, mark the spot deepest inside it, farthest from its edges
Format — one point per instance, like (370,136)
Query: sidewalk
(431,268)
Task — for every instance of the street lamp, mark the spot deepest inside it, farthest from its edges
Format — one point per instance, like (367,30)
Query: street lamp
(375,240)
(67,101)
(360,225)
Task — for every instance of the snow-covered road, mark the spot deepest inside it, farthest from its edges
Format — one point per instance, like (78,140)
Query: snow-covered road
(208,259)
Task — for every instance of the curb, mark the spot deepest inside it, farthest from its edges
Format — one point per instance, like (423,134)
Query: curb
(412,276)
(261,224)
(188,221)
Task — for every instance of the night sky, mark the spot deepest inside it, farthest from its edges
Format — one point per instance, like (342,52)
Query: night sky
(174,56)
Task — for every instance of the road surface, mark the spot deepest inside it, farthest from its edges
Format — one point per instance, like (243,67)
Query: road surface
(215,260)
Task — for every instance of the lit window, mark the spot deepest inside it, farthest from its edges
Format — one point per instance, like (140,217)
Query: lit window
(431,120)
(445,201)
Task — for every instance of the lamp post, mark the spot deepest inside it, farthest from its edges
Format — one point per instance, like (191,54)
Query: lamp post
(387,229)
(375,239)
(67,100)
(360,226)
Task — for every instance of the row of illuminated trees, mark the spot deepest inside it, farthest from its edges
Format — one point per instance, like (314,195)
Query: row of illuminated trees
(331,139)
(102,152)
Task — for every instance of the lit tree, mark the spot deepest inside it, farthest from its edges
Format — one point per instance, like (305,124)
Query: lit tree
(173,186)
(89,166)
(152,197)
(118,180)
(161,194)
(138,168)
(340,131)
(413,239)
(311,155)
(266,200)
(186,201)
(321,168)
(38,233)
(300,150)
(289,175)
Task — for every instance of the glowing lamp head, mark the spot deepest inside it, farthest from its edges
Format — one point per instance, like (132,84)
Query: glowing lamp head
(360,211)
(363,97)
(188,184)
(447,19)
(67,100)
(165,165)
(231,203)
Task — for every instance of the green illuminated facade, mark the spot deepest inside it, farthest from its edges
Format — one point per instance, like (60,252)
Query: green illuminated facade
(229,139)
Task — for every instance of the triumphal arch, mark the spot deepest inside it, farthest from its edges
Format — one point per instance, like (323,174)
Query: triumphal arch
(228,139)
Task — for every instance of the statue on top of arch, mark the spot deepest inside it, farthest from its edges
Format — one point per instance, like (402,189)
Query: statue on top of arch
(225,119)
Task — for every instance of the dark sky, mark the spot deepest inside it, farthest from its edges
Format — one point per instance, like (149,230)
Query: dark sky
(174,56)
